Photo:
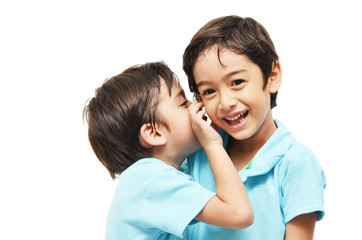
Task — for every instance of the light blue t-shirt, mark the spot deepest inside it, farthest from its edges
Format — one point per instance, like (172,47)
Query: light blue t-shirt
(154,200)
(283,180)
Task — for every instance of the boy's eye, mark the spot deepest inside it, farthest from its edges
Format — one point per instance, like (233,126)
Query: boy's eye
(237,82)
(208,92)
(184,103)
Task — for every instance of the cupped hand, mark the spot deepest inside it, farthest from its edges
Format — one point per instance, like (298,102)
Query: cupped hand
(205,133)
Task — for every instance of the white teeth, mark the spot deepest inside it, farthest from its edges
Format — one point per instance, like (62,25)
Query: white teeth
(235,117)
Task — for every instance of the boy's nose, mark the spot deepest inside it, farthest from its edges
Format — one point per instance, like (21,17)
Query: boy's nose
(227,101)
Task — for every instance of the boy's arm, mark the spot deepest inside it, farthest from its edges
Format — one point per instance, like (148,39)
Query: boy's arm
(230,208)
(301,227)
(303,186)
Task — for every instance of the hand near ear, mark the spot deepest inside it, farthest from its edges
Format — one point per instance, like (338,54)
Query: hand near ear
(206,134)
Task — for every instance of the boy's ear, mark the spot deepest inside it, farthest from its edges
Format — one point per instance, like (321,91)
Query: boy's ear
(151,137)
(275,78)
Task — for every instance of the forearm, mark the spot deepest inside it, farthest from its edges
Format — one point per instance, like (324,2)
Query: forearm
(301,227)
(229,186)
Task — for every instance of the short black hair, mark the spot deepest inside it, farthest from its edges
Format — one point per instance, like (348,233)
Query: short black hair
(118,110)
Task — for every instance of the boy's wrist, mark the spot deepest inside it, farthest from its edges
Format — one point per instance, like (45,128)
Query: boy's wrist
(213,146)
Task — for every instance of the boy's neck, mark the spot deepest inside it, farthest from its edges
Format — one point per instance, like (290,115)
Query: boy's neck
(173,164)
(243,151)
(170,160)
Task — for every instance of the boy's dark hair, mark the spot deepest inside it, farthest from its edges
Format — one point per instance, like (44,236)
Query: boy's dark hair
(118,110)
(242,36)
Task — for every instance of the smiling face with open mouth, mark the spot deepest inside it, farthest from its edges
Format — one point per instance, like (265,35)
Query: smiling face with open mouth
(232,89)
(237,120)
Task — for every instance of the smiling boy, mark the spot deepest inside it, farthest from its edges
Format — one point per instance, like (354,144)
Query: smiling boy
(236,100)
(232,66)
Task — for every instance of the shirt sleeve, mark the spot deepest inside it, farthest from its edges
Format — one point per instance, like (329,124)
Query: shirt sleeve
(302,184)
(172,201)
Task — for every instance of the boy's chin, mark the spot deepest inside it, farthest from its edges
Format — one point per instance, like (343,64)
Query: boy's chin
(240,135)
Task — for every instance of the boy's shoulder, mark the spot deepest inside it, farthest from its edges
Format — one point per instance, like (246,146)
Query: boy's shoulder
(147,172)
(150,166)
(300,161)
(298,156)
(295,152)
(299,149)
(284,151)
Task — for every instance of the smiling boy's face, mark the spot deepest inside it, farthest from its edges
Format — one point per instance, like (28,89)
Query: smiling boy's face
(173,111)
(231,87)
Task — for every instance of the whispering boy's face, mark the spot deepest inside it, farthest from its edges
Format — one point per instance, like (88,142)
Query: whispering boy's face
(231,87)
(173,111)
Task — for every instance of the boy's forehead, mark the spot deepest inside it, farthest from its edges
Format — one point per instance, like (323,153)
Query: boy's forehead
(213,50)
(219,55)
(221,50)
(207,51)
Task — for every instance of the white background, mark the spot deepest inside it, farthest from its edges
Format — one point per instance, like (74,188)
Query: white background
(53,54)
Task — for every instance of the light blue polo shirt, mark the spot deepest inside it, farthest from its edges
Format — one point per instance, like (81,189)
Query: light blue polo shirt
(283,180)
(154,201)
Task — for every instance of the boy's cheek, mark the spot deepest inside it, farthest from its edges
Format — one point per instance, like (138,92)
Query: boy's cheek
(213,119)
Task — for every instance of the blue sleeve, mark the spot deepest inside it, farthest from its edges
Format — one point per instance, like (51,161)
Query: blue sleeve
(172,200)
(302,184)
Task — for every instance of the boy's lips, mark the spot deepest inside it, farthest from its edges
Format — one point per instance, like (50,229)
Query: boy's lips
(236,119)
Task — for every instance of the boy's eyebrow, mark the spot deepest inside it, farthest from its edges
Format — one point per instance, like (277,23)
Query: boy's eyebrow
(233,73)
(201,83)
(180,93)
(227,76)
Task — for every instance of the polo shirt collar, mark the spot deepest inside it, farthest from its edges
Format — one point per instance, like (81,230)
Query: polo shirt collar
(270,154)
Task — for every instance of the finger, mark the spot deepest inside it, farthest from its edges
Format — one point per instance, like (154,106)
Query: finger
(196,105)
(201,113)
(194,108)
(214,126)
